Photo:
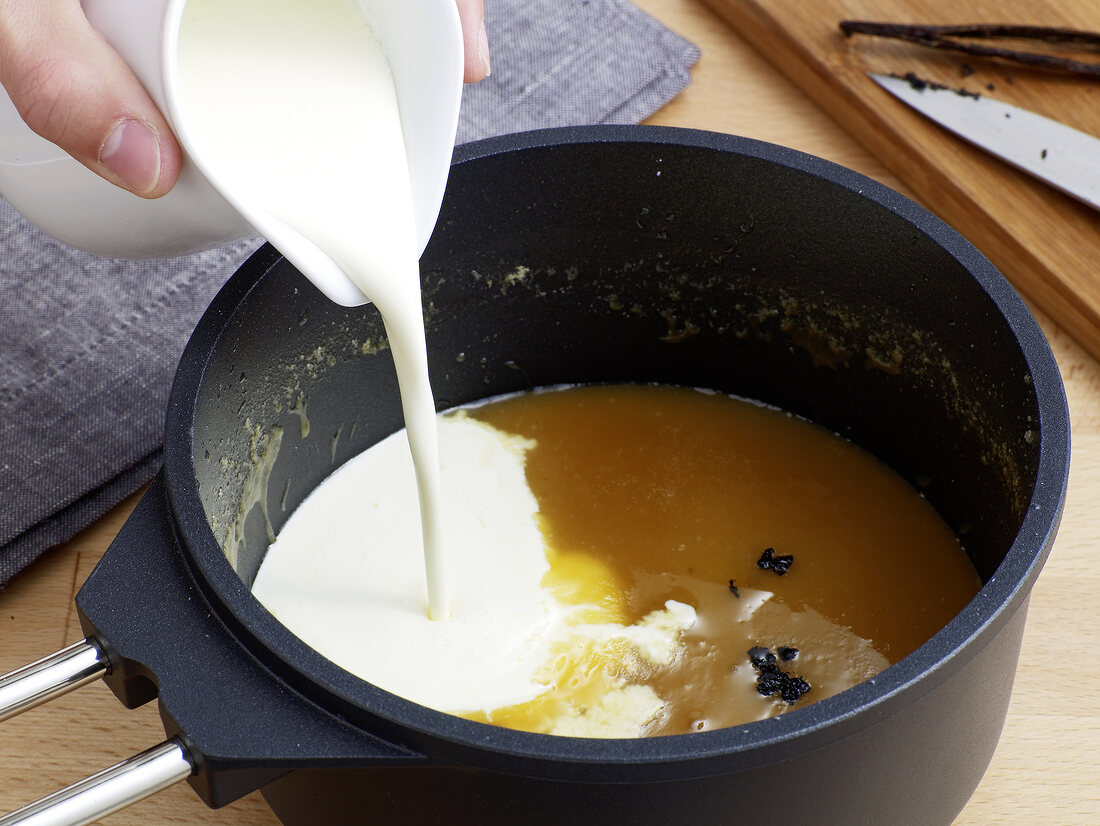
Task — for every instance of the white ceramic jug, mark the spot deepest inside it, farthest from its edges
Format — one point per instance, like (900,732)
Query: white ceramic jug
(423,42)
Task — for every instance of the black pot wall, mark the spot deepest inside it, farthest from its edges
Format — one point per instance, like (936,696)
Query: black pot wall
(640,255)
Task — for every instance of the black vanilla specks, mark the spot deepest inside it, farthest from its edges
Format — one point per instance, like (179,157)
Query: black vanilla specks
(771,680)
(770,562)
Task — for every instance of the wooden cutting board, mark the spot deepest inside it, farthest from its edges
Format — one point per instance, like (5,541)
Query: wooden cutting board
(1047,244)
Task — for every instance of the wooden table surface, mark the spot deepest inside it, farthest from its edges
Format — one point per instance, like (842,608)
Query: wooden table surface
(1046,769)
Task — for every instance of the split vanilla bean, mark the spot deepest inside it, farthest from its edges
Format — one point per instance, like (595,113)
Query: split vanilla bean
(960,39)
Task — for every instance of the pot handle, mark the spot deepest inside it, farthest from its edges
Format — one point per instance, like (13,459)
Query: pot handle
(41,681)
(108,791)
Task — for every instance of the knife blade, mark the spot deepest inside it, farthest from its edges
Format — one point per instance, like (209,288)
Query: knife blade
(1064,157)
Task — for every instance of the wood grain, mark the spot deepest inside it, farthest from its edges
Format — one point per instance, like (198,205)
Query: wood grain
(1046,243)
(1045,769)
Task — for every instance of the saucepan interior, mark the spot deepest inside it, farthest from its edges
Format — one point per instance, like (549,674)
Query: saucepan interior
(642,255)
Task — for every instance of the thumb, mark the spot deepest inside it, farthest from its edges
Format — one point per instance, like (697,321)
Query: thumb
(73,89)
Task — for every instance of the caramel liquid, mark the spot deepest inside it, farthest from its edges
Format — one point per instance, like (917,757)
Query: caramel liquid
(672,493)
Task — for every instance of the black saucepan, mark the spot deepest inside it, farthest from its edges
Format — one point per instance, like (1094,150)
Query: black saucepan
(609,254)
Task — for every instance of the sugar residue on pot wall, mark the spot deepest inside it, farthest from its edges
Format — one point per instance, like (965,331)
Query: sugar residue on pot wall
(269,408)
(263,452)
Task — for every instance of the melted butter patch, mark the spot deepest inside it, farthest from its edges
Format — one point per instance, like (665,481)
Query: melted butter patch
(586,583)
(597,675)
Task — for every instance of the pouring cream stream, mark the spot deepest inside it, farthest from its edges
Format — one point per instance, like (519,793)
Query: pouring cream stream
(290,109)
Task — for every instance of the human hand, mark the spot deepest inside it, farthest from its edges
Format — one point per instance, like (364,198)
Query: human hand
(73,89)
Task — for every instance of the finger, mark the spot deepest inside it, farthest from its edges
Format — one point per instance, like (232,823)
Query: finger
(73,89)
(472,15)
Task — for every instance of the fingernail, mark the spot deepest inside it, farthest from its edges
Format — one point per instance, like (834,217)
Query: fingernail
(132,154)
(483,49)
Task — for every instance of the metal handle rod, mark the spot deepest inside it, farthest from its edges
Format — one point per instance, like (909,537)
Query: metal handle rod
(50,677)
(109,790)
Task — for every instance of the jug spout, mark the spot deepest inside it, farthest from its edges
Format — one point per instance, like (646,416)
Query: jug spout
(322,122)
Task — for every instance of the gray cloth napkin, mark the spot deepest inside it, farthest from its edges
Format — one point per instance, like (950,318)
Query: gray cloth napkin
(88,346)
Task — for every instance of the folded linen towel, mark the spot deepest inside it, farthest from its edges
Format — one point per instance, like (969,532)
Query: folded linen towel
(88,346)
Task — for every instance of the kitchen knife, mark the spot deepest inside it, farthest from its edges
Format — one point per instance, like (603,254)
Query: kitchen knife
(1060,155)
